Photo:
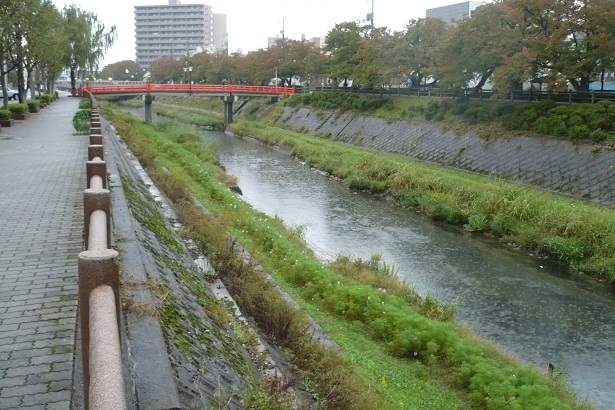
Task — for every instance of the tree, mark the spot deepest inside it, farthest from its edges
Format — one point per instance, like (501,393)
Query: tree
(21,17)
(166,70)
(8,10)
(343,44)
(571,38)
(47,44)
(126,70)
(490,43)
(412,52)
(87,42)
(294,59)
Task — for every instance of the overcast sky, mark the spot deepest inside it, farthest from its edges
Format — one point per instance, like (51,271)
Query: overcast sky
(251,22)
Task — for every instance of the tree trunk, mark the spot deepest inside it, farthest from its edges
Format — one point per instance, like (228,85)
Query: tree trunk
(73,81)
(484,77)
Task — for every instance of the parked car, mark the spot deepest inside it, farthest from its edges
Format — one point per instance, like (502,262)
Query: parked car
(13,94)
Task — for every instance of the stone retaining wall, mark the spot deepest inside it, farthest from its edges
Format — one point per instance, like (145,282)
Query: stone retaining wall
(578,170)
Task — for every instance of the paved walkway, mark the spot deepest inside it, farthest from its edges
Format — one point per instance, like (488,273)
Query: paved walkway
(42,178)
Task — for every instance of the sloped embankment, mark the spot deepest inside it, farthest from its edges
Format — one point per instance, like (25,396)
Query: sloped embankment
(578,170)
(209,364)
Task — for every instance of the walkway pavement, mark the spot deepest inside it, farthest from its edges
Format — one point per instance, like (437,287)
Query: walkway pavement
(42,178)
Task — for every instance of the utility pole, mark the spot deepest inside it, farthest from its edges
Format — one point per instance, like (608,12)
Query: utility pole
(370,16)
(372,13)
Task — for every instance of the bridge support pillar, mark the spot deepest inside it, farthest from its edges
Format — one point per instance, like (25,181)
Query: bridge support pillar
(228,108)
(148,108)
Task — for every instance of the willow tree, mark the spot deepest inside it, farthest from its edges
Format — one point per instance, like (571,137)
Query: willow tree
(39,42)
(46,44)
(88,40)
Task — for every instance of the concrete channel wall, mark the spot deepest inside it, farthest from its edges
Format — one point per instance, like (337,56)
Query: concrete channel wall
(578,170)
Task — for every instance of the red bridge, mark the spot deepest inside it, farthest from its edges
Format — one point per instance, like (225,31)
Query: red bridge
(227,92)
(211,89)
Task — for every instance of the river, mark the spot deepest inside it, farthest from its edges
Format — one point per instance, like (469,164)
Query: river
(528,306)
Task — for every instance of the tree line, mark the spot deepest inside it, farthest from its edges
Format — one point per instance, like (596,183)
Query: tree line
(38,41)
(553,44)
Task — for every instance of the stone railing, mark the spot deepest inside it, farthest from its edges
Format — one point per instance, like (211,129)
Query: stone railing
(99,299)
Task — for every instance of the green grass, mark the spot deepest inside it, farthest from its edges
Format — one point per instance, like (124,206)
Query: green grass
(450,365)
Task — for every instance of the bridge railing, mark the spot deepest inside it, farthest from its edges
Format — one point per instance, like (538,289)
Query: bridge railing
(187,88)
(99,284)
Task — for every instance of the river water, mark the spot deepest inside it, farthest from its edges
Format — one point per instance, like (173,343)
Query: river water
(529,307)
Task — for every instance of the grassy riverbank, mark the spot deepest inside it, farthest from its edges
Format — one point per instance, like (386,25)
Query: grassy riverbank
(578,234)
(400,350)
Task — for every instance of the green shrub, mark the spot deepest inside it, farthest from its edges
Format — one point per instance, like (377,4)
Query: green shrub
(476,114)
(579,132)
(85,103)
(81,120)
(552,125)
(46,98)
(503,108)
(5,114)
(33,104)
(18,108)
(598,135)
(434,111)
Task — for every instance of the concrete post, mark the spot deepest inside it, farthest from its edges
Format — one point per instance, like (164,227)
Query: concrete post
(96,139)
(148,108)
(94,200)
(98,168)
(96,151)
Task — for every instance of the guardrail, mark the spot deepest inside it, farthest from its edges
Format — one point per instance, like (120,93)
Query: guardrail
(188,88)
(99,284)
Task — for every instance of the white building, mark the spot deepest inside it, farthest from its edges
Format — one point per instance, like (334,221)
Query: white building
(177,30)
(220,35)
(454,12)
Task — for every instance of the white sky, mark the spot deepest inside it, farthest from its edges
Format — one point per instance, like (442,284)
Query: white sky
(251,22)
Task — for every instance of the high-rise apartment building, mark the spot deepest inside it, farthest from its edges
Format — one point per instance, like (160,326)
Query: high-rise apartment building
(454,12)
(220,39)
(177,30)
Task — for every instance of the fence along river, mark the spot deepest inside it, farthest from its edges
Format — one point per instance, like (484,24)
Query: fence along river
(527,306)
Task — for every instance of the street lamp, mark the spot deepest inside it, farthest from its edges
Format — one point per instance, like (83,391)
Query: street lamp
(189,71)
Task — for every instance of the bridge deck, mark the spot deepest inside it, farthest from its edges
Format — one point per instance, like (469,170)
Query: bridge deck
(215,89)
